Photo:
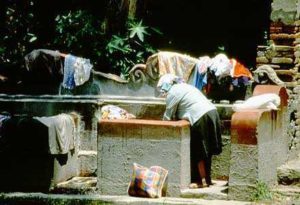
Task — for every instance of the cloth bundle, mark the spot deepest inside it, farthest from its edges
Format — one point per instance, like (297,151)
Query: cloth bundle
(148,182)
(109,112)
(263,101)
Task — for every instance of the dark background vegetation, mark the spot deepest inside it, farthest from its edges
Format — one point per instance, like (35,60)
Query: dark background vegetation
(86,28)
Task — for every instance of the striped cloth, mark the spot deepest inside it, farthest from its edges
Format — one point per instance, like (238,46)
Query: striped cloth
(174,63)
(148,182)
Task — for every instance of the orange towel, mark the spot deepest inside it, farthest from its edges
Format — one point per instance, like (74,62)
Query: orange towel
(239,70)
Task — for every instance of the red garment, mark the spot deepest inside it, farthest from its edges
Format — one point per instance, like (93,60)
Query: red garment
(239,70)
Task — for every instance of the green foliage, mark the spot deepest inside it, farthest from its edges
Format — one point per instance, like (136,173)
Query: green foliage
(74,31)
(19,36)
(126,49)
(78,32)
(137,29)
(262,192)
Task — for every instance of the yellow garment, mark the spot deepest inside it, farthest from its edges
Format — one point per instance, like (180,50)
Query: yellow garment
(174,63)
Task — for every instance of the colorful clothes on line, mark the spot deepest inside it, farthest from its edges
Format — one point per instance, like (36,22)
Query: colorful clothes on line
(178,64)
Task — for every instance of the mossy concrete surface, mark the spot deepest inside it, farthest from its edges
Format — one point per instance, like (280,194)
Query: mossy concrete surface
(55,199)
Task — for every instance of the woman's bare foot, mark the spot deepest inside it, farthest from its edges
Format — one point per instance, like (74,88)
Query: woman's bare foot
(197,186)
(193,186)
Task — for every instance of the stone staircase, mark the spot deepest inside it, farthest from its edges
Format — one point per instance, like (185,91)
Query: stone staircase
(288,180)
(289,173)
(283,55)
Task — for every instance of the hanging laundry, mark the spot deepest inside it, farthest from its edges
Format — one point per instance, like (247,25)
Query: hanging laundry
(174,63)
(3,118)
(239,70)
(82,72)
(61,132)
(240,81)
(69,70)
(220,65)
(200,72)
(203,64)
(76,71)
(46,62)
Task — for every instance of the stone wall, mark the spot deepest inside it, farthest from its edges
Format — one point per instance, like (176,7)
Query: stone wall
(146,142)
(258,146)
(279,62)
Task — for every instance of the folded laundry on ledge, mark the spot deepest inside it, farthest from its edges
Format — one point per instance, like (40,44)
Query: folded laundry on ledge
(110,112)
(265,101)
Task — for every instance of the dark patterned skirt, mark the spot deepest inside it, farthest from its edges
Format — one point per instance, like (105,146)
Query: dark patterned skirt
(205,140)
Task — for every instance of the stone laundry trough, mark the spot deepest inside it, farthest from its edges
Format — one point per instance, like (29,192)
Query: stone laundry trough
(150,141)
(146,108)
(116,144)
(27,164)
(259,145)
(147,142)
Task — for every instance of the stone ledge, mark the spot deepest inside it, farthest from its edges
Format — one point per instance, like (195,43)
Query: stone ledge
(258,146)
(179,123)
(289,173)
(88,162)
(217,191)
(244,126)
(146,142)
(52,199)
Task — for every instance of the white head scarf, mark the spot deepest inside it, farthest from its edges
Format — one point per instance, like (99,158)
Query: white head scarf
(166,81)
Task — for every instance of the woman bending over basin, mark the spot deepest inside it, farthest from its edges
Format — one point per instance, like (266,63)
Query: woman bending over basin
(184,101)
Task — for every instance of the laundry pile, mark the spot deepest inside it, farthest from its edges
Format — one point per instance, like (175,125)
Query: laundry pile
(110,112)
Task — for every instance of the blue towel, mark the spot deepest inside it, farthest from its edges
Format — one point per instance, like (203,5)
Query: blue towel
(69,81)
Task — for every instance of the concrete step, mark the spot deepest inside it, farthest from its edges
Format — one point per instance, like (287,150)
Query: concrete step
(81,191)
(63,199)
(290,192)
(216,191)
(289,173)
(88,163)
(77,185)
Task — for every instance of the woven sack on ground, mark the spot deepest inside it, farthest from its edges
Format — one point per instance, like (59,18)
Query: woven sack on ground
(148,182)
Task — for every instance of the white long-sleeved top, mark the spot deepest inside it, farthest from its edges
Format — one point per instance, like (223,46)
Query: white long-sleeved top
(184,101)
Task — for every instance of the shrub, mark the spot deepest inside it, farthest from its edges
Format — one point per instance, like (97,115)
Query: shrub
(126,49)
(262,192)
(79,33)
